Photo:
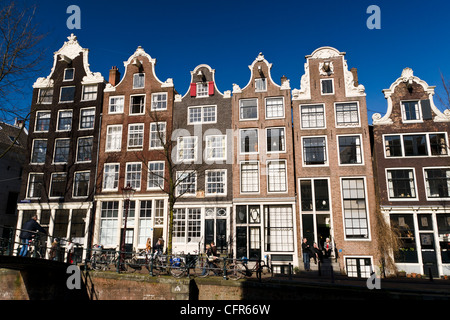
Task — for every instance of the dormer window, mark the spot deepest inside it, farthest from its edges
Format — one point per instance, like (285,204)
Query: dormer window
(411,111)
(202,89)
(260,84)
(138,80)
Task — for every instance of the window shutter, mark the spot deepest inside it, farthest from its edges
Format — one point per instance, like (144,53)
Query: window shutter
(211,88)
(193,89)
(426,109)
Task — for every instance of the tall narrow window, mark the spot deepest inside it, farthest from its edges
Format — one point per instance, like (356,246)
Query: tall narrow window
(87,118)
(216,182)
(113,138)
(261,84)
(42,121)
(155,175)
(84,149)
(157,135)
(187,183)
(354,206)
(109,223)
(438,144)
(35,185)
(68,74)
(159,101)
(81,184)
(249,177)
(62,148)
(276,176)
(133,175)
(58,185)
(39,151)
(135,136)
(187,148)
(401,183)
(276,140)
(249,140)
(137,104)
(393,146)
(138,80)
(65,120)
(327,86)
(110,176)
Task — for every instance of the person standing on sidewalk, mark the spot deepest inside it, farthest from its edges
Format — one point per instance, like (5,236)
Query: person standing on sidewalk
(306,250)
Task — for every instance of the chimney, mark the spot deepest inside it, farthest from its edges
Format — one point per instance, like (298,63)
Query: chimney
(114,76)
(354,71)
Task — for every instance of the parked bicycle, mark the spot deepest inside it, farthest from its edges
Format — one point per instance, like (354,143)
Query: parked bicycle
(241,269)
(181,266)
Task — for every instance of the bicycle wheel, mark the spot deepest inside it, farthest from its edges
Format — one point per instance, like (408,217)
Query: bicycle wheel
(237,271)
(95,263)
(177,269)
(264,273)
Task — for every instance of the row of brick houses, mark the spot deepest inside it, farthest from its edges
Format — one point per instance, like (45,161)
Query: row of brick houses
(256,168)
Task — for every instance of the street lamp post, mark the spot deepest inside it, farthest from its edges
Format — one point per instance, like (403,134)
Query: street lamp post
(127,193)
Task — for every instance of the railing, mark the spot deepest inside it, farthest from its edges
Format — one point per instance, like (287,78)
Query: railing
(153,263)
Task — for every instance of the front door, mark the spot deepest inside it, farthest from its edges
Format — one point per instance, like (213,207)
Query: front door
(429,258)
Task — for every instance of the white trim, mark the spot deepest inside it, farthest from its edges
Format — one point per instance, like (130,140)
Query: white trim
(32,152)
(80,118)
(240,176)
(207,148)
(125,180)
(160,188)
(182,160)
(36,120)
(108,135)
(109,104)
(427,135)
(257,109)
(225,184)
(64,75)
(265,107)
(57,120)
(103,176)
(28,185)
(151,102)
(54,150)
(285,177)
(135,148)
(416,198)
(202,114)
(419,111)
(361,149)
(51,184)
(284,138)
(157,130)
(92,151)
(240,141)
(327,162)
(73,185)
(426,185)
(60,91)
(350,125)
(179,182)
(332,87)
(308,105)
(130,104)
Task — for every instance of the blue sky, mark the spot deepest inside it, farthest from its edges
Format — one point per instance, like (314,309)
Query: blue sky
(228,35)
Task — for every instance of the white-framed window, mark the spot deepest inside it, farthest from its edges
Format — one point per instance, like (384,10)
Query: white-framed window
(58,184)
(202,114)
(145,222)
(416,145)
(401,183)
(42,123)
(276,176)
(35,185)
(216,147)
(314,151)
(157,135)
(350,149)
(81,183)
(64,120)
(356,225)
(187,224)
(276,140)
(111,176)
(61,152)
(358,267)
(138,80)
(261,84)
(84,149)
(87,118)
(437,182)
(137,104)
(326,86)
(113,137)
(39,151)
(347,114)
(45,96)
(274,108)
(202,89)
(89,92)
(249,177)
(109,223)
(248,109)
(69,74)
(187,148)
(216,182)
(279,228)
(133,173)
(314,194)
(155,179)
(248,140)
(67,94)
(187,183)
(135,136)
(159,101)
(312,116)
(116,104)
(411,111)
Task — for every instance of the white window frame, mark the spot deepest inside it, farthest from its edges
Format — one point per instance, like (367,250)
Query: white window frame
(427,187)
(327,161)
(51,185)
(240,141)
(39,101)
(60,92)
(58,119)
(418,113)
(285,176)
(257,110)
(263,82)
(110,136)
(351,124)
(361,149)
(158,141)
(122,106)
(224,182)
(284,140)
(32,152)
(180,182)
(282,103)
(200,90)
(74,182)
(28,184)
(152,102)
(258,177)
(313,196)
(134,80)
(161,185)
(37,117)
(416,191)
(92,149)
(332,86)
(64,75)
(202,114)
(126,180)
(427,135)
(181,148)
(83,92)
(137,147)
(310,105)
(208,148)
(131,103)
(81,117)
(54,151)
(116,174)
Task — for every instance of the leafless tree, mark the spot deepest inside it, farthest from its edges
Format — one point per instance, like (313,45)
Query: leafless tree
(445,99)
(21,55)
